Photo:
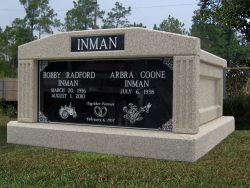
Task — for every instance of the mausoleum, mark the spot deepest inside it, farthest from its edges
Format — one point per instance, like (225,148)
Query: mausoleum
(131,91)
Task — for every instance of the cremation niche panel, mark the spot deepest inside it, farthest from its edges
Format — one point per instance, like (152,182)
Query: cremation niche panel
(136,93)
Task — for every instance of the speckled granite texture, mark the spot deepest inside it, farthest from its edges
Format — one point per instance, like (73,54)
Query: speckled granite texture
(138,43)
(127,142)
(197,94)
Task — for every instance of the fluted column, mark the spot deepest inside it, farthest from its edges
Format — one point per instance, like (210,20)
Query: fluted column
(27,90)
(185,94)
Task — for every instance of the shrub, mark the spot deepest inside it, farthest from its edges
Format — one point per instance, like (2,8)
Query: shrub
(238,106)
(8,109)
(237,82)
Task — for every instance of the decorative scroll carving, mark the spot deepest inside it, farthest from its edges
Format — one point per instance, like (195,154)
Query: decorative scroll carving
(168,62)
(43,65)
(42,117)
(168,126)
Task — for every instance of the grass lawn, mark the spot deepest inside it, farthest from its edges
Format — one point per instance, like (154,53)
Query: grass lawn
(227,165)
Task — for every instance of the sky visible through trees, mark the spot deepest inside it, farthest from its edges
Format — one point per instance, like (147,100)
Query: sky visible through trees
(219,33)
(147,12)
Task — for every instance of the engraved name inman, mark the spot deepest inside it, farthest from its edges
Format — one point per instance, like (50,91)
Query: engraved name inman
(97,43)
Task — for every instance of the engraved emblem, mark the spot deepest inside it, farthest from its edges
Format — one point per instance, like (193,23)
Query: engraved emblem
(100,111)
(65,111)
(133,114)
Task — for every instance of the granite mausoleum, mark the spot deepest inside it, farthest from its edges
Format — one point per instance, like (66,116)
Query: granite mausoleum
(131,91)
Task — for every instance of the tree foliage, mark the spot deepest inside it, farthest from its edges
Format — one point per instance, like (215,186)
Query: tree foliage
(39,16)
(10,39)
(82,16)
(172,25)
(118,17)
(232,14)
(219,40)
(136,25)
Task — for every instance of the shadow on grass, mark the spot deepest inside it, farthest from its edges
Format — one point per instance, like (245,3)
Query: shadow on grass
(3,135)
(242,124)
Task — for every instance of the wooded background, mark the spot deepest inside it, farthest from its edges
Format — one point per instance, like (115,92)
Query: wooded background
(223,27)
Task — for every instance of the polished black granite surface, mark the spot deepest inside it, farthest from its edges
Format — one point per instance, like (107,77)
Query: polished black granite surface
(121,92)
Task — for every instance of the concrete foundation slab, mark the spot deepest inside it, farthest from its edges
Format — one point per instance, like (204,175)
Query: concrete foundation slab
(126,142)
